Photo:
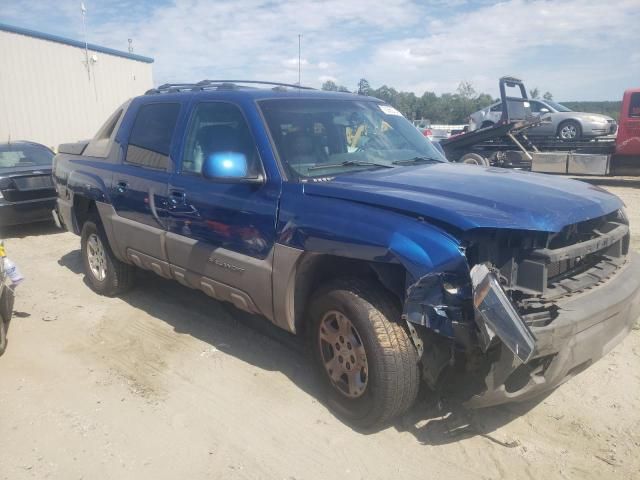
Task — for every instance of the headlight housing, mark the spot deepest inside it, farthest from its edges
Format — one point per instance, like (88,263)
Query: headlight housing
(621,216)
(597,119)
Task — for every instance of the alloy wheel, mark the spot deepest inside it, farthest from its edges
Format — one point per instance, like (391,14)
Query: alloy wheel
(568,132)
(97,257)
(343,354)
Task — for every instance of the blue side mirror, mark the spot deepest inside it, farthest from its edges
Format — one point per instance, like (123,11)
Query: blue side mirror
(225,165)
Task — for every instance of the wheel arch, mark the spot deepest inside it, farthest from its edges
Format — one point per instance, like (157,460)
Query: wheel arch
(83,209)
(314,270)
(83,191)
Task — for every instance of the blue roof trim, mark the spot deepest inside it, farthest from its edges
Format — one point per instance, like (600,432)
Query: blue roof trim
(73,43)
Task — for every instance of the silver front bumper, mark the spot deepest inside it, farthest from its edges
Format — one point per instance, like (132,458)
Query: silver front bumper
(588,326)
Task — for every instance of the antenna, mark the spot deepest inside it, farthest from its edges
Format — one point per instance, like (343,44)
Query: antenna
(130,45)
(83,9)
(299,59)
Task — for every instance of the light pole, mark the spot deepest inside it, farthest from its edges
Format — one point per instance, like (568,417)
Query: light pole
(299,59)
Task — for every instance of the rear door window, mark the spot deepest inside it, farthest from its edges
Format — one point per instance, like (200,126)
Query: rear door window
(150,139)
(634,105)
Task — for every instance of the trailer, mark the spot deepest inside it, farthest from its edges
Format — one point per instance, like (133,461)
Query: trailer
(507,145)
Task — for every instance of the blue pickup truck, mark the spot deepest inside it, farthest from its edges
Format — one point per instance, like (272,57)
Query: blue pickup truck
(333,217)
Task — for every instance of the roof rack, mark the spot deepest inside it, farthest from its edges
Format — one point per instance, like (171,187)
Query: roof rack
(218,85)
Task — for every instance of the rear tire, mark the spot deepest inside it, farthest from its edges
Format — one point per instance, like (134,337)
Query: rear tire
(474,159)
(105,274)
(570,130)
(386,372)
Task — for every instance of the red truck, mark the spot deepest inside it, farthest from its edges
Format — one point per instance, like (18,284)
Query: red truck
(627,152)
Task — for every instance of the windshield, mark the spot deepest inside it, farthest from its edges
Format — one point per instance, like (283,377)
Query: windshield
(24,155)
(559,107)
(326,137)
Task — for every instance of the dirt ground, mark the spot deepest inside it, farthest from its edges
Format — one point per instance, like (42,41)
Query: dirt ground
(165,383)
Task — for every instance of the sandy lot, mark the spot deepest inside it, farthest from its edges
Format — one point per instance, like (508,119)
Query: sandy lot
(165,383)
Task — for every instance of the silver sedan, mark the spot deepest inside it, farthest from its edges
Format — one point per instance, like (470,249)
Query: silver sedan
(564,123)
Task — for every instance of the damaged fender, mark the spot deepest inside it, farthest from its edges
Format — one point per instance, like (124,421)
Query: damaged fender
(437,301)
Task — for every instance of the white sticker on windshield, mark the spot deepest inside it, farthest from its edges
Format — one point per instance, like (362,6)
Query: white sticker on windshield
(389,110)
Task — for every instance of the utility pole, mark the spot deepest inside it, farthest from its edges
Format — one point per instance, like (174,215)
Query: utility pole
(86,45)
(299,59)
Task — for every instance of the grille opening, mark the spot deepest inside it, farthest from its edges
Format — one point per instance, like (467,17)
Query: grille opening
(583,231)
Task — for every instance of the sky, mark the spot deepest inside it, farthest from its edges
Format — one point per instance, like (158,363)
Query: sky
(576,49)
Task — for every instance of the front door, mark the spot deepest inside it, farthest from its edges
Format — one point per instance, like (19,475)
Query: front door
(545,128)
(221,231)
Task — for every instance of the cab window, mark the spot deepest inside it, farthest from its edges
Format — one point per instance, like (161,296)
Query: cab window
(634,105)
(218,128)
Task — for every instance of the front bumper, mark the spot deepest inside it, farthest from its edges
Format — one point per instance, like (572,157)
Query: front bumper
(588,326)
(29,211)
(593,129)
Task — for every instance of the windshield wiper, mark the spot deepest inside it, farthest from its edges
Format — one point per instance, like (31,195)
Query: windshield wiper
(410,161)
(350,163)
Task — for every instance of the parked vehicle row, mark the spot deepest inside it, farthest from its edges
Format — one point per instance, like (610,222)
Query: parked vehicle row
(335,218)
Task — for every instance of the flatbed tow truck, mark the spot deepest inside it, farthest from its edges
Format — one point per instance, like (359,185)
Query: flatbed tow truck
(507,145)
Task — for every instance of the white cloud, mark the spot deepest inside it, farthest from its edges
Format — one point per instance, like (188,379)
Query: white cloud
(327,78)
(575,48)
(570,47)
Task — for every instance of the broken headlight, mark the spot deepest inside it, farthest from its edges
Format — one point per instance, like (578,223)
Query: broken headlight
(621,216)
(496,315)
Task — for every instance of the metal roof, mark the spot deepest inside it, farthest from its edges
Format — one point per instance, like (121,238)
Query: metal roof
(73,43)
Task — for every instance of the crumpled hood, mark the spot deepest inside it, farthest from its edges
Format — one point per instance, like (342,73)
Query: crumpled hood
(469,196)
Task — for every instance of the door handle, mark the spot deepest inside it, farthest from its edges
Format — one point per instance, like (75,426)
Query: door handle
(177,197)
(122,186)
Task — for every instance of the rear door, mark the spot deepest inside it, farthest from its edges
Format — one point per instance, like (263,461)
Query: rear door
(140,181)
(221,230)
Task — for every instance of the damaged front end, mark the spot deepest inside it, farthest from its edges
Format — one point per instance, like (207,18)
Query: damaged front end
(532,310)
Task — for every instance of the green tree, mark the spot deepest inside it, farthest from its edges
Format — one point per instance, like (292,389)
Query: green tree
(363,87)
(547,96)
(330,86)
(534,93)
(466,90)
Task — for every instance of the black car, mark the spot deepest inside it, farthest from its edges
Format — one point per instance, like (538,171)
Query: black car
(26,190)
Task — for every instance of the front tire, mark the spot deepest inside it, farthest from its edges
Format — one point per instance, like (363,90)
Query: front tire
(570,130)
(366,360)
(105,274)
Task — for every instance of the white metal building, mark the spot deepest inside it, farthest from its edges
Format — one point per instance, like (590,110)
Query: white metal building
(49,96)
